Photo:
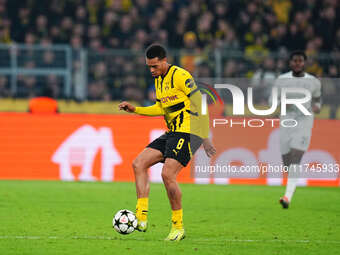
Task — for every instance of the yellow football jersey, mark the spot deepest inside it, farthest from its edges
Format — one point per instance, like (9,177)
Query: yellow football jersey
(179,101)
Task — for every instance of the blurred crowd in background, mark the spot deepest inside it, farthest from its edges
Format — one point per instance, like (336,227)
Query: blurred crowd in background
(253,39)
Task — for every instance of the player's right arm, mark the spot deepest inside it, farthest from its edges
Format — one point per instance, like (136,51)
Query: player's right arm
(316,97)
(153,110)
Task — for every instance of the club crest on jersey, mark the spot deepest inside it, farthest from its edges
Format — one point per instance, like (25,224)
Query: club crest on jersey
(166,86)
(190,83)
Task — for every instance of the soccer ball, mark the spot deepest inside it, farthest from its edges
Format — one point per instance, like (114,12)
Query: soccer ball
(124,222)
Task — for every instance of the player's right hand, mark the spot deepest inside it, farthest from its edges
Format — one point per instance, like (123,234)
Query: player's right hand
(126,107)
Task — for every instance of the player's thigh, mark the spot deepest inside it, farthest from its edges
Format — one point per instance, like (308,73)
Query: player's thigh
(147,158)
(152,154)
(285,139)
(301,139)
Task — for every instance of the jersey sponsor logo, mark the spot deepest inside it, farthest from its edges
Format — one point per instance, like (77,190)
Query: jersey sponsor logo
(169,99)
(190,83)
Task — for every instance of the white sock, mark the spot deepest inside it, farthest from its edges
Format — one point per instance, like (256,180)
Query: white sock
(293,178)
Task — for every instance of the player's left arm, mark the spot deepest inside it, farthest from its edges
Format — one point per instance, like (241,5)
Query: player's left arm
(316,97)
(196,99)
(188,86)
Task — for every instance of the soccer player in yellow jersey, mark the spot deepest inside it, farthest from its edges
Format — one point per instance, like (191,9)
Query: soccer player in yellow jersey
(179,101)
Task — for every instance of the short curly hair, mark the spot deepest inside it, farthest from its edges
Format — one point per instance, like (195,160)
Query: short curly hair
(298,53)
(155,51)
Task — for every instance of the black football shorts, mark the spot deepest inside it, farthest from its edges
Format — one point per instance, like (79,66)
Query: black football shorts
(177,145)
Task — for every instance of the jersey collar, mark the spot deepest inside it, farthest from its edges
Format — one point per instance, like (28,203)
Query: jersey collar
(304,75)
(166,72)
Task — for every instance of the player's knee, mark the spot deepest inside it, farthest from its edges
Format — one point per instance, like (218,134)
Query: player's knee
(296,156)
(137,164)
(167,176)
(295,160)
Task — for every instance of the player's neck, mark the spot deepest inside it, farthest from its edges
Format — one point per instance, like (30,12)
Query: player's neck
(166,70)
(299,74)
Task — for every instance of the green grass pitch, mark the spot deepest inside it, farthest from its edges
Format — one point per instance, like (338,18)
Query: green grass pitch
(75,218)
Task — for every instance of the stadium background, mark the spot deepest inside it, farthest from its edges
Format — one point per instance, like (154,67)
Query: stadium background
(90,54)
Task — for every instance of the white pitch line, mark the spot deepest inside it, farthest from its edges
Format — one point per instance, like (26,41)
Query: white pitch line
(143,239)
(269,240)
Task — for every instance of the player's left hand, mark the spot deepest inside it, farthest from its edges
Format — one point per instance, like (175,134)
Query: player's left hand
(209,148)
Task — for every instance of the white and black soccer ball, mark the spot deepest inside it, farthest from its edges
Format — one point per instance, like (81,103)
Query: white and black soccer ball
(124,222)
